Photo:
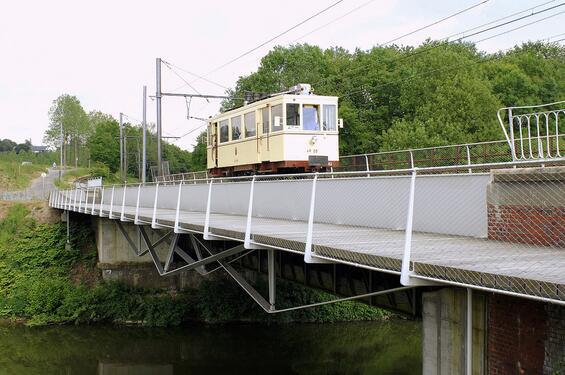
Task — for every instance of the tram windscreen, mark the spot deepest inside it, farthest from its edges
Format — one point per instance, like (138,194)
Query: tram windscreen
(329,117)
(310,117)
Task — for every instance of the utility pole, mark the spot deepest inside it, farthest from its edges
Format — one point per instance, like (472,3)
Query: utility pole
(144,157)
(125,154)
(61,160)
(121,147)
(158,99)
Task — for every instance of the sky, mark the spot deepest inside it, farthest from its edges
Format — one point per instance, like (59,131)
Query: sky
(104,51)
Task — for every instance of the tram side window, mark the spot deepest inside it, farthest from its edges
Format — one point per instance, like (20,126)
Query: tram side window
(224,131)
(310,117)
(276,111)
(250,126)
(265,118)
(329,117)
(235,128)
(293,114)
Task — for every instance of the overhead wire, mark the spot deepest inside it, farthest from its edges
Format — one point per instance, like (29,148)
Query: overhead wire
(437,45)
(500,19)
(182,78)
(450,67)
(271,39)
(435,23)
(335,20)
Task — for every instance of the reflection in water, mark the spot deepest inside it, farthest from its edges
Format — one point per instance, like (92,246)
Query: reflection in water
(352,348)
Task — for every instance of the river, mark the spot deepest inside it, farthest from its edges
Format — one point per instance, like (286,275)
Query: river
(392,347)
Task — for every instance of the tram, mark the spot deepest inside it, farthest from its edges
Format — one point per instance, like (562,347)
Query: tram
(290,132)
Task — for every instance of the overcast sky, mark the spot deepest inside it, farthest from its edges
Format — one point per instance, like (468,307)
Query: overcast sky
(104,51)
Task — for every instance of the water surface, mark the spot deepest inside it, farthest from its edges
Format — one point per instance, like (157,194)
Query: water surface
(347,348)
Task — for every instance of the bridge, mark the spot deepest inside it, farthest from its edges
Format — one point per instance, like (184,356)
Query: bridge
(492,227)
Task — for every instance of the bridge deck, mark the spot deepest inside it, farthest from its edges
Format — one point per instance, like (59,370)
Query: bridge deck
(511,267)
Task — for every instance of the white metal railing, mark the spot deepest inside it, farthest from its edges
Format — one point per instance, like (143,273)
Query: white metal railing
(532,132)
(417,218)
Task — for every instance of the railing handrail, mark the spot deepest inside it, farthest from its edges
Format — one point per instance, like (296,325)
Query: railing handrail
(370,173)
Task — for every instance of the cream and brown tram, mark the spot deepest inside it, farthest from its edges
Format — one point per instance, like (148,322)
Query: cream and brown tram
(294,131)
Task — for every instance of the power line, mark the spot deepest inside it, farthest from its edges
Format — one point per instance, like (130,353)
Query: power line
(201,77)
(429,48)
(512,21)
(336,19)
(434,23)
(519,27)
(451,67)
(273,38)
(182,78)
(499,19)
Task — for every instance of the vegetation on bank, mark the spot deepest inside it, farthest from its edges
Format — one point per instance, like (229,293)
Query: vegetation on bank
(15,176)
(43,281)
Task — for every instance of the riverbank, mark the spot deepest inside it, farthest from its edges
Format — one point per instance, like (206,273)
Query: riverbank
(43,281)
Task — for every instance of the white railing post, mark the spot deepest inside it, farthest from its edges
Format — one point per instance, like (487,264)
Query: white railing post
(405,270)
(177,213)
(308,246)
(154,217)
(111,203)
(93,199)
(136,218)
(411,159)
(123,213)
(207,219)
(80,199)
(75,200)
(367,165)
(247,241)
(101,202)
(469,158)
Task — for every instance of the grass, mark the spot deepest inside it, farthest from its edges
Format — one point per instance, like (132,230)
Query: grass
(70,176)
(15,176)
(108,179)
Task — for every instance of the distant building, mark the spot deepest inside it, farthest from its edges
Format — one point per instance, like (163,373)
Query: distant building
(38,149)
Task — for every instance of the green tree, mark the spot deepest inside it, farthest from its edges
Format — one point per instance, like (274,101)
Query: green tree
(104,141)
(67,113)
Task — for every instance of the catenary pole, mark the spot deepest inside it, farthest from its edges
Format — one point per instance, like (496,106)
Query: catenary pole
(144,156)
(121,146)
(158,102)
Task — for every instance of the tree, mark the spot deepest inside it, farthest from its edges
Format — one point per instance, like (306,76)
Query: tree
(198,155)
(23,147)
(67,112)
(103,143)
(7,145)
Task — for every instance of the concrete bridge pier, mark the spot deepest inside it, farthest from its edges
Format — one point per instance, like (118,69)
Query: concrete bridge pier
(118,261)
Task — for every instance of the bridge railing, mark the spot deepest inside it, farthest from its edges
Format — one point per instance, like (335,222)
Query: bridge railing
(442,223)
(532,132)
